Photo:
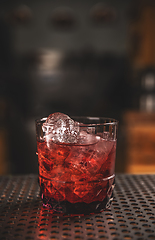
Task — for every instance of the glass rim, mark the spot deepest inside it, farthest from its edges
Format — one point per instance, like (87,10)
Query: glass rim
(110,121)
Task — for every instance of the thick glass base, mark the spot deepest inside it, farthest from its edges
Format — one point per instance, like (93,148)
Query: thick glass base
(77,198)
(80,208)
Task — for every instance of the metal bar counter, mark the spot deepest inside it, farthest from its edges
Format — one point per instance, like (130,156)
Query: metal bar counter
(132,214)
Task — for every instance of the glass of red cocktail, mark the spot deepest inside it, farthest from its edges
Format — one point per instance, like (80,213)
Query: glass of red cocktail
(76,163)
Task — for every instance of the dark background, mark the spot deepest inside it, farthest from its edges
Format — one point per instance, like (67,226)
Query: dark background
(68,56)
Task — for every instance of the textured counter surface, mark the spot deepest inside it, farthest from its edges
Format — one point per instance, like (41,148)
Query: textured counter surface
(132,214)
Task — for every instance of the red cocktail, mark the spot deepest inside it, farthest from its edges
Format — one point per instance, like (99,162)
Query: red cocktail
(76,172)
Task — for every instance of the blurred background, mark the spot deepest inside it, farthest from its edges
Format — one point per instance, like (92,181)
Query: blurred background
(87,58)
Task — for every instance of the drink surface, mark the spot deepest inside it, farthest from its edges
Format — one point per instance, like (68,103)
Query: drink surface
(75,173)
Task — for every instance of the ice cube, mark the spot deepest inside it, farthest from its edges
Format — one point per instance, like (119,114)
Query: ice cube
(85,138)
(60,128)
(81,159)
(89,159)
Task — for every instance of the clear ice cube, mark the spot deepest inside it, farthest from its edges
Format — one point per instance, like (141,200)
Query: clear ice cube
(88,159)
(85,138)
(60,128)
